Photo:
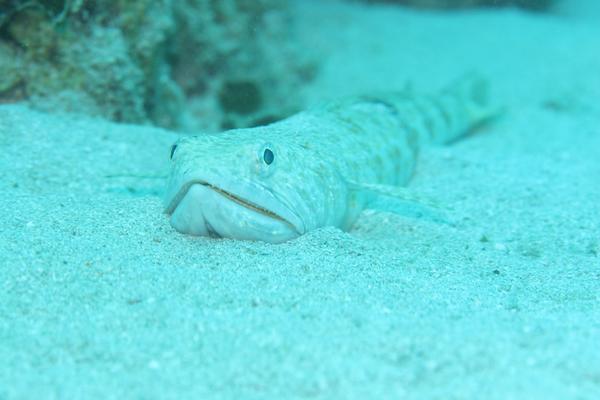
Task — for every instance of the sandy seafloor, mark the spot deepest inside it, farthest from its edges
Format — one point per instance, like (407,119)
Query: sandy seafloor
(100,298)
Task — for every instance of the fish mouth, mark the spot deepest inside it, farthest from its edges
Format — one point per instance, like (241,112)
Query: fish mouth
(246,203)
(289,215)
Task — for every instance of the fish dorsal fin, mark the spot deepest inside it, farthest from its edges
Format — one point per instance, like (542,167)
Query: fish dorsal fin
(404,201)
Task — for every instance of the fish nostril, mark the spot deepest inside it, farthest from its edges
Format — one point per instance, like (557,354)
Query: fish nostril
(173,148)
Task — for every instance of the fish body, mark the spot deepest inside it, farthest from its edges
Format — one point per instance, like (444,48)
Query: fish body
(320,167)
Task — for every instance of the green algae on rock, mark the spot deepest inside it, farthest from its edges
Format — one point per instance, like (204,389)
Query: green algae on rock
(162,62)
(536,5)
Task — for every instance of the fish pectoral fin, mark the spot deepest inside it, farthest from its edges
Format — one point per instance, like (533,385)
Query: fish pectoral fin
(396,192)
(402,201)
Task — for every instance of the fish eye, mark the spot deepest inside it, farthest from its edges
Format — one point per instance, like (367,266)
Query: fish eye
(173,148)
(268,156)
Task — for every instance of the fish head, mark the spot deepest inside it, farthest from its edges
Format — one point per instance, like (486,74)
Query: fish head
(247,184)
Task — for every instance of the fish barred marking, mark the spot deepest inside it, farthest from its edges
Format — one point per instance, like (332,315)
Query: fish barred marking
(325,164)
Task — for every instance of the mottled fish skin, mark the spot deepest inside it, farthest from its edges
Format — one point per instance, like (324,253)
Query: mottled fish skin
(324,162)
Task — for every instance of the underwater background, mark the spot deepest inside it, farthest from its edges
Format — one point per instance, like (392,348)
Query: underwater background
(101,298)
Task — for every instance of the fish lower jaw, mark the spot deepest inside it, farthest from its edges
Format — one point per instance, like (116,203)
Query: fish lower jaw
(204,211)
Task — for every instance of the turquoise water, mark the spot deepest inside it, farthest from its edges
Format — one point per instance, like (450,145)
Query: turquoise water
(101,298)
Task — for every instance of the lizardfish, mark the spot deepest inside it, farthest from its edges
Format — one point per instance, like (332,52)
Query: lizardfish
(320,167)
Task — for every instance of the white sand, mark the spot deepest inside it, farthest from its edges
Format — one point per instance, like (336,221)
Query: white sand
(99,298)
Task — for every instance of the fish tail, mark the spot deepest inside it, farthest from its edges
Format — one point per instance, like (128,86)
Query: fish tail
(463,107)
